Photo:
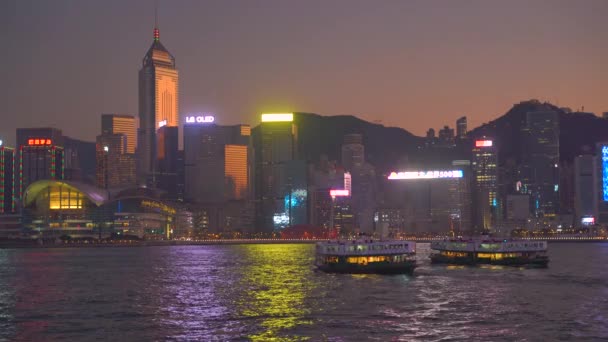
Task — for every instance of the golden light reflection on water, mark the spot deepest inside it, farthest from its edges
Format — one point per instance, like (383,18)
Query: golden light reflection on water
(276,282)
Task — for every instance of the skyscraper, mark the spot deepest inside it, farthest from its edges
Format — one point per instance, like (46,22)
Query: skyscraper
(353,151)
(461,128)
(167,138)
(158,104)
(40,155)
(485,182)
(278,182)
(586,200)
(7,182)
(121,124)
(540,161)
(115,167)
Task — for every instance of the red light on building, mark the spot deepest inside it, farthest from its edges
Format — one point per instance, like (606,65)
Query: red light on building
(339,193)
(39,142)
(483,143)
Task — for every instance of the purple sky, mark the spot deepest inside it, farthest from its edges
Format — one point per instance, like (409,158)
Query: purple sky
(412,64)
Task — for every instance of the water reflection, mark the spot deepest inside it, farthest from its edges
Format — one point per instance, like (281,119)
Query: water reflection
(276,280)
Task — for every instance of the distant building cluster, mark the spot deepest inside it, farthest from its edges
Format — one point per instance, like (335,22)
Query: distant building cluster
(243,181)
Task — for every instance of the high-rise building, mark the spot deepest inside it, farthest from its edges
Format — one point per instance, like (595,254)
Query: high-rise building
(216,162)
(166,176)
(461,127)
(121,124)
(585,193)
(79,159)
(278,173)
(353,151)
(115,168)
(484,165)
(540,161)
(158,104)
(446,136)
(40,155)
(7,181)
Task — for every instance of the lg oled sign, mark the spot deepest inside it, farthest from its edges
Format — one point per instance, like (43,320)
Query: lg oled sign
(201,119)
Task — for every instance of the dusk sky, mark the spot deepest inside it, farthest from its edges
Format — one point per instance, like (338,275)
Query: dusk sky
(411,64)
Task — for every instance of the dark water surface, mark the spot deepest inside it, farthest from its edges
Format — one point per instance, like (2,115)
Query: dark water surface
(272,292)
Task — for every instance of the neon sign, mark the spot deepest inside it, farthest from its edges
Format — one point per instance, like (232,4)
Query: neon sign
(605,172)
(426,174)
(280,117)
(588,220)
(39,142)
(339,193)
(483,143)
(200,119)
(162,123)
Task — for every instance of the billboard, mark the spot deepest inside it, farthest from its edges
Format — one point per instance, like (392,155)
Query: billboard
(278,117)
(438,174)
(605,172)
(339,192)
(483,143)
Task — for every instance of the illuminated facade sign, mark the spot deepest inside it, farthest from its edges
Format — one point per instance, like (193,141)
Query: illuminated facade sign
(162,123)
(426,174)
(348,181)
(279,117)
(588,220)
(200,119)
(605,172)
(39,142)
(483,143)
(339,193)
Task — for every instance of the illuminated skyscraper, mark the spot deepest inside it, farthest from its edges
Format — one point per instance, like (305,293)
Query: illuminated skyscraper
(485,182)
(121,124)
(40,155)
(279,186)
(158,104)
(216,162)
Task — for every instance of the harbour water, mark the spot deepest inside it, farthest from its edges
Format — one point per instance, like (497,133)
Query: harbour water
(272,292)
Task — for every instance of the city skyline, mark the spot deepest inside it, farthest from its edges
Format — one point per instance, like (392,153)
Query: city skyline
(213,66)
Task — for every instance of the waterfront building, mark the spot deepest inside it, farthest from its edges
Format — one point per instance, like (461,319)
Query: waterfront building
(484,165)
(7,180)
(121,124)
(115,167)
(280,178)
(158,104)
(40,155)
(539,167)
(586,206)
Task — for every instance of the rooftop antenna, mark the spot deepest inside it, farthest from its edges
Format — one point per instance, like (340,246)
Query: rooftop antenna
(156,31)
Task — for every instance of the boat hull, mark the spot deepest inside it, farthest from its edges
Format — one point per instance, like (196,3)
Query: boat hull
(406,267)
(538,262)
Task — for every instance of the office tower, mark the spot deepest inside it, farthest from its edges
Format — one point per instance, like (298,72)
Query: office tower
(216,162)
(115,168)
(446,136)
(158,104)
(353,151)
(7,182)
(485,182)
(585,194)
(461,127)
(166,178)
(40,155)
(80,160)
(121,124)
(540,161)
(275,141)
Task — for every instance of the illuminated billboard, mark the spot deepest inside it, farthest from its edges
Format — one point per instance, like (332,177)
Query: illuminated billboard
(605,172)
(200,119)
(483,143)
(339,193)
(162,123)
(278,117)
(39,142)
(426,174)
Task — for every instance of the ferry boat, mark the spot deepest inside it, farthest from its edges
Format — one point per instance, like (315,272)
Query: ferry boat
(366,256)
(490,251)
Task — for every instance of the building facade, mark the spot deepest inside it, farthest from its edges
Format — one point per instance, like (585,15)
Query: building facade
(121,124)
(484,165)
(7,180)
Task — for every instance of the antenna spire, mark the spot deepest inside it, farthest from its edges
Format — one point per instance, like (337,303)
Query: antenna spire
(156,30)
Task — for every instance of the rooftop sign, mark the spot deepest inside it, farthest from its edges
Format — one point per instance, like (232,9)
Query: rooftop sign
(279,117)
(39,142)
(483,143)
(426,174)
(339,193)
(200,119)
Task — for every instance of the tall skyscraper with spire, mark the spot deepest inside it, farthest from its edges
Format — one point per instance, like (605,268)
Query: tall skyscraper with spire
(158,105)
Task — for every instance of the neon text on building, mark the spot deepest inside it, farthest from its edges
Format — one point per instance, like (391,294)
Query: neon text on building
(483,143)
(426,174)
(339,192)
(39,142)
(200,119)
